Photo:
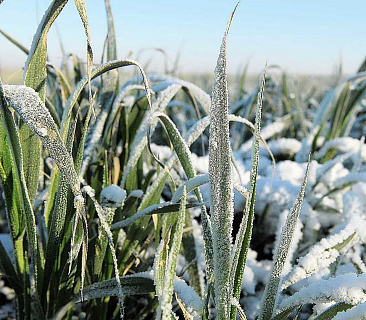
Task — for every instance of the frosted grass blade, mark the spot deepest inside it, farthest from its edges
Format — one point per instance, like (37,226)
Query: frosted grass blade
(165,306)
(81,7)
(242,241)
(221,183)
(103,68)
(191,185)
(111,37)
(184,155)
(34,113)
(271,292)
(325,252)
(35,75)
(13,141)
(140,141)
(104,224)
(165,207)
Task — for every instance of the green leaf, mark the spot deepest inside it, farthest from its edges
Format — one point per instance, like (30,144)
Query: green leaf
(332,311)
(35,75)
(13,141)
(165,306)
(11,39)
(242,241)
(111,36)
(7,270)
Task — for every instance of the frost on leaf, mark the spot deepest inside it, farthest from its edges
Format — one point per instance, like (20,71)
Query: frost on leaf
(26,102)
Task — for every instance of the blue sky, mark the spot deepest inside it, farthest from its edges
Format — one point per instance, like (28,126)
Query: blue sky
(308,37)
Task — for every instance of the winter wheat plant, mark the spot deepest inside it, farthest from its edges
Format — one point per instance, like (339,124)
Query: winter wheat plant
(114,209)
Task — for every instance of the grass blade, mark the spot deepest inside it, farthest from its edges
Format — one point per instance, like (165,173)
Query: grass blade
(13,141)
(273,287)
(35,75)
(165,306)
(221,183)
(111,37)
(15,42)
(244,235)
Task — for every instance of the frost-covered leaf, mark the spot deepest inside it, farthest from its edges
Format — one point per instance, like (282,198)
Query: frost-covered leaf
(243,237)
(165,306)
(221,182)
(332,311)
(35,75)
(12,161)
(271,292)
(140,141)
(165,207)
(101,69)
(190,185)
(139,283)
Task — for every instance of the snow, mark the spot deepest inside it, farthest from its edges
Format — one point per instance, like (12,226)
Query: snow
(285,146)
(112,196)
(347,288)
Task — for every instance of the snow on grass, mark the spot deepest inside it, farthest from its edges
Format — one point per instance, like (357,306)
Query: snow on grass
(347,288)
(325,252)
(112,196)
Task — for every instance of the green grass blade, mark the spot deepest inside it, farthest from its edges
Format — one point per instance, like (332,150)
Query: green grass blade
(35,75)
(111,37)
(221,183)
(271,292)
(140,141)
(15,42)
(184,155)
(160,262)
(137,284)
(105,221)
(8,125)
(165,306)
(110,65)
(7,270)
(332,311)
(81,7)
(12,196)
(242,241)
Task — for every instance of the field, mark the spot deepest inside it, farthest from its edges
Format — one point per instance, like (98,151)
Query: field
(173,196)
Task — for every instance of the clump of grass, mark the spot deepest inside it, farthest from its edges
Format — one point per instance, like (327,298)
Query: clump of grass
(100,134)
